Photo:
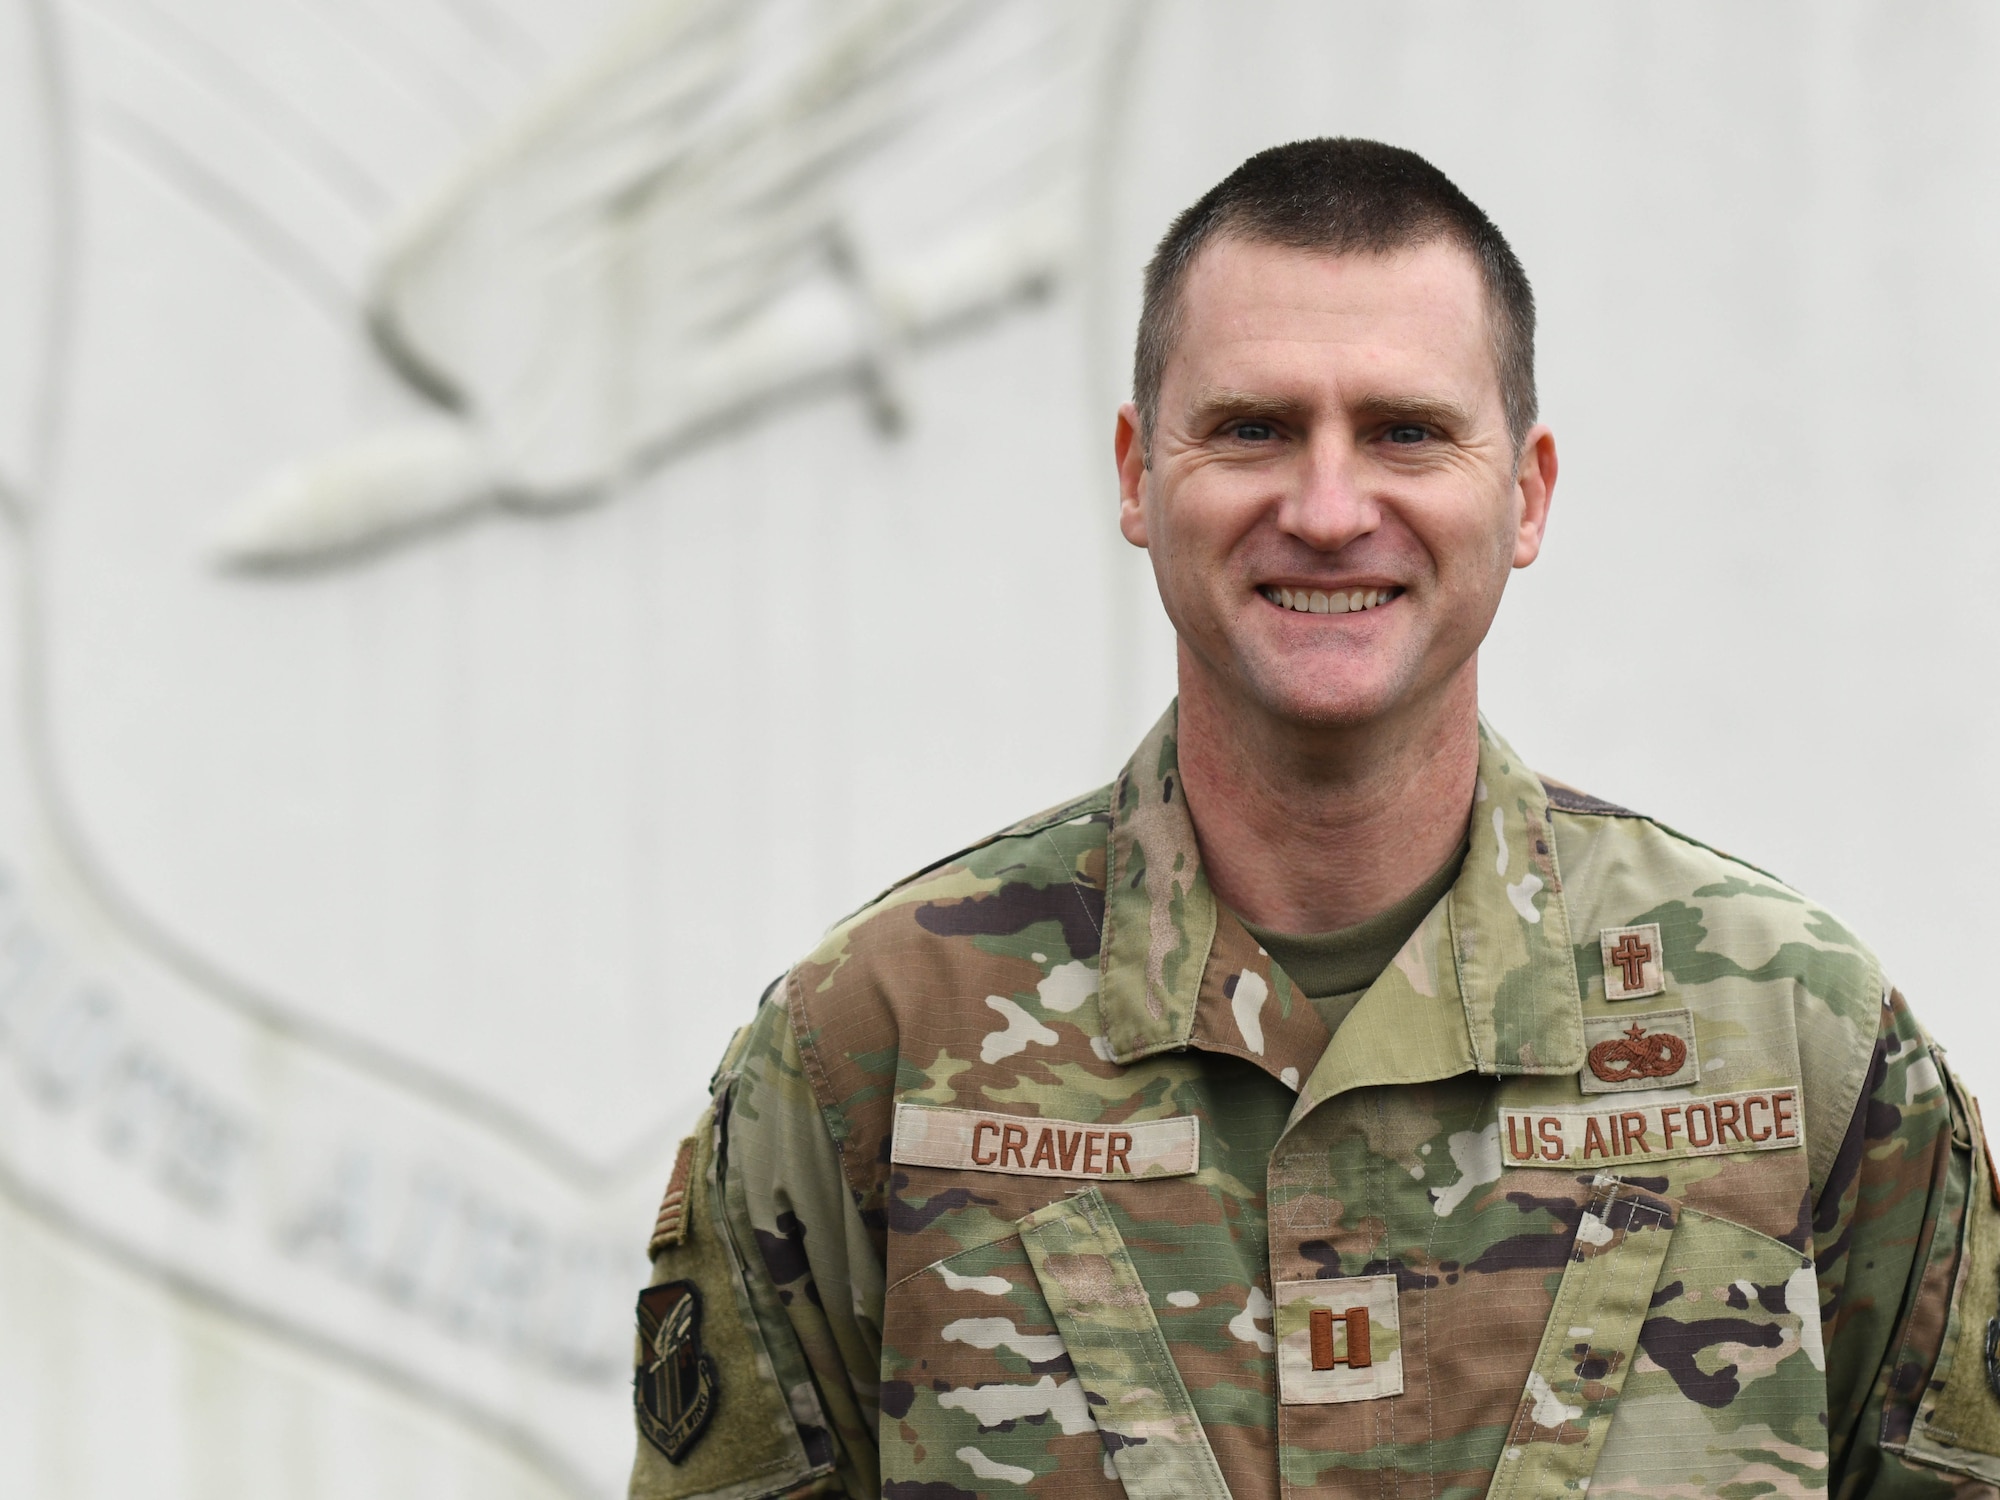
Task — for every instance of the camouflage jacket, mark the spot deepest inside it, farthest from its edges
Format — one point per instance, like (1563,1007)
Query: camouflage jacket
(1630,1174)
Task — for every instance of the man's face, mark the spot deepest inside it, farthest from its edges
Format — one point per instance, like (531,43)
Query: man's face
(1333,501)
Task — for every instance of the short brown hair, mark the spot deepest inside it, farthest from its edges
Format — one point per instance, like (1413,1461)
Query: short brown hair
(1340,196)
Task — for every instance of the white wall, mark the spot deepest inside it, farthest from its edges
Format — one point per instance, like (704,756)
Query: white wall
(372,923)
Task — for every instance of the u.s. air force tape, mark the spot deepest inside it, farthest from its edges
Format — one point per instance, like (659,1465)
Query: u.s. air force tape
(1721,1124)
(972,1140)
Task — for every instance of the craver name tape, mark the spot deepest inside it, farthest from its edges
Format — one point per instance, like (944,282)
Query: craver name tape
(974,1140)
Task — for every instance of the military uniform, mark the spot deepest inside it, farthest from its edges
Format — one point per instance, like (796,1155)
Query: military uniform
(1629,1174)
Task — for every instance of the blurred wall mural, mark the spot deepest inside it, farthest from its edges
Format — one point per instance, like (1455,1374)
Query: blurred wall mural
(318,1050)
(517,514)
(727,205)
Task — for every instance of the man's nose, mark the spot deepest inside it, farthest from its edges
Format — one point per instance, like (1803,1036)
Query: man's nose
(1330,503)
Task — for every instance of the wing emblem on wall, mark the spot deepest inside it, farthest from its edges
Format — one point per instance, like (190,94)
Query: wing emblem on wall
(727,205)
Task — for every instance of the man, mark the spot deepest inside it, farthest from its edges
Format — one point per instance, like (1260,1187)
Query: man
(1330,1104)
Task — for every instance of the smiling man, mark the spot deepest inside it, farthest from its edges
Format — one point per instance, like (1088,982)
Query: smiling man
(1330,1104)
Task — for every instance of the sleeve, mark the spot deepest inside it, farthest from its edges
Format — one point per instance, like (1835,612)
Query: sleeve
(1906,1235)
(746,1384)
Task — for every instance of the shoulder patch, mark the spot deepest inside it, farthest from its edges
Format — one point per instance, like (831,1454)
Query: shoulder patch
(670,1226)
(714,1415)
(675,1388)
(1569,799)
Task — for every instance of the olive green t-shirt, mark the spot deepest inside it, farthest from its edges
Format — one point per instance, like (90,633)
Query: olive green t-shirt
(1334,969)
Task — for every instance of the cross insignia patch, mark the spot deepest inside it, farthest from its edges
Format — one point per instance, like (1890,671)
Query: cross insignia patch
(1633,961)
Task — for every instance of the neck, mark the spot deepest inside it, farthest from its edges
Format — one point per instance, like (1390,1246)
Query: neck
(1306,829)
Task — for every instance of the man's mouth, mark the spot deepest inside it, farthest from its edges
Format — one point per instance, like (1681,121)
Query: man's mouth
(1328,601)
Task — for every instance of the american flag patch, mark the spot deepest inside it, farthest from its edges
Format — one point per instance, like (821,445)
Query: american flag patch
(671,1227)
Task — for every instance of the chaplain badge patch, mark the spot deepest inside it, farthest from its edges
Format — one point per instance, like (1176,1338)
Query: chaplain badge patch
(674,1390)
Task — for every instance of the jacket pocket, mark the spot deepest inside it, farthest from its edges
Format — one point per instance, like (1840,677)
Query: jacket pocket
(979,1393)
(1728,1387)
(1587,1350)
(1143,1409)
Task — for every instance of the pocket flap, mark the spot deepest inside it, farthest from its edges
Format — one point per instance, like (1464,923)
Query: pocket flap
(1589,1344)
(1136,1393)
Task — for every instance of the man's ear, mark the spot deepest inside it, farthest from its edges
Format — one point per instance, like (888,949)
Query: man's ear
(1129,450)
(1535,482)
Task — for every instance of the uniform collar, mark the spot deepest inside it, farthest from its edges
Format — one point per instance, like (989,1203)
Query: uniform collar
(1487,982)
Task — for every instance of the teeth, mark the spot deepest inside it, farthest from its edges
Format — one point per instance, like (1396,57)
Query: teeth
(1348,601)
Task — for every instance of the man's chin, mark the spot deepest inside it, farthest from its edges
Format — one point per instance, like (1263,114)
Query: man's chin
(1318,692)
(1328,705)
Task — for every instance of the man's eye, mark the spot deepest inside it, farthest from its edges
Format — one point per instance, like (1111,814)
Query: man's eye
(1255,432)
(1407,432)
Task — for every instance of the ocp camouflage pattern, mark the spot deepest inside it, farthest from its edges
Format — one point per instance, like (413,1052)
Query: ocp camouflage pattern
(1653,1313)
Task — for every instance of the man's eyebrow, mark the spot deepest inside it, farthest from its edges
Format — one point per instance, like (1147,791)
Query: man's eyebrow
(1216,403)
(1425,411)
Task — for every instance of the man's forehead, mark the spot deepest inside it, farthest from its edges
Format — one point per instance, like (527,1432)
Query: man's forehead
(1252,302)
(1233,276)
